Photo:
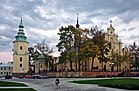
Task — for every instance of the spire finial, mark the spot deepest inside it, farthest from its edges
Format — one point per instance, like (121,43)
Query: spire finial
(21,24)
(110,23)
(21,19)
(77,25)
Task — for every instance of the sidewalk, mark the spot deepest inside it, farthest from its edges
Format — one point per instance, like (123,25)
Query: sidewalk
(15,87)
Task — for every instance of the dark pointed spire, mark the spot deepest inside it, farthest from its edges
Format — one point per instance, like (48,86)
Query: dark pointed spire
(77,25)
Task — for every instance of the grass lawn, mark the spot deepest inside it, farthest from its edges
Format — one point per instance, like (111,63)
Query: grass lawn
(11,84)
(123,83)
(17,89)
(14,84)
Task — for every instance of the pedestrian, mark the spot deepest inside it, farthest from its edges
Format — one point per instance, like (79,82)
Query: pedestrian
(57,81)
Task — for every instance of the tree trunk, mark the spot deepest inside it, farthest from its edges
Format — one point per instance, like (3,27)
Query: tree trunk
(70,65)
(79,65)
(92,63)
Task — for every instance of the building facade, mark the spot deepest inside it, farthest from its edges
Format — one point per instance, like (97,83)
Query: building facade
(110,65)
(6,69)
(20,52)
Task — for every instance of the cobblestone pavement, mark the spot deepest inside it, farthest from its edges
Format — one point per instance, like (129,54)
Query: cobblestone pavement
(65,85)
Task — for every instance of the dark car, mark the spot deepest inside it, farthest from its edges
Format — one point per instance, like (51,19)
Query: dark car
(21,77)
(44,77)
(8,77)
(39,77)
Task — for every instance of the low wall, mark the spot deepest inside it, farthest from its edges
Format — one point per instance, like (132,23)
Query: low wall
(82,74)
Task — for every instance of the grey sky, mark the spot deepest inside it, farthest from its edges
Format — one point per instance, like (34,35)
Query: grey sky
(43,18)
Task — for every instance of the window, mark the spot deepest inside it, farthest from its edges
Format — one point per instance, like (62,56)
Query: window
(21,48)
(1,68)
(9,68)
(41,66)
(20,59)
(1,72)
(9,73)
(20,65)
(4,68)
(111,38)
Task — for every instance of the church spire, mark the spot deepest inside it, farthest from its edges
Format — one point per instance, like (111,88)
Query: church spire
(110,23)
(77,25)
(21,35)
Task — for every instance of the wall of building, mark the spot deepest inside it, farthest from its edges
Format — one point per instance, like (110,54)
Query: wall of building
(6,69)
(23,54)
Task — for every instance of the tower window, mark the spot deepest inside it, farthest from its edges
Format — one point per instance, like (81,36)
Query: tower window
(21,47)
(20,65)
(20,59)
(111,38)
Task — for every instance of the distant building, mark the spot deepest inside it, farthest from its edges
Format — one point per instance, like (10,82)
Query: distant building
(6,69)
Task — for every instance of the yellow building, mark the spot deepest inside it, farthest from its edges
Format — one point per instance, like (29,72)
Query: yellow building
(20,52)
(116,47)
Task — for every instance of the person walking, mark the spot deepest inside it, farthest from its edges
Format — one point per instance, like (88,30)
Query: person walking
(57,81)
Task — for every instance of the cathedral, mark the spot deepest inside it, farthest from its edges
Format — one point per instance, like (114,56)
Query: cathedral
(21,55)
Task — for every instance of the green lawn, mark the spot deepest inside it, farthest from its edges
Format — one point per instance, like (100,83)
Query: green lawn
(17,89)
(11,84)
(123,83)
(14,84)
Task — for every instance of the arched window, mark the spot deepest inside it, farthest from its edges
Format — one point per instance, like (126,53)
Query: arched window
(20,65)
(20,59)
(21,47)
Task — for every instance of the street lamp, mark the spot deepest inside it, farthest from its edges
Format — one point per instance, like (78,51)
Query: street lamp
(111,65)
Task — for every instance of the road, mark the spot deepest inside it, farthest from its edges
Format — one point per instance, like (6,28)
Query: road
(65,85)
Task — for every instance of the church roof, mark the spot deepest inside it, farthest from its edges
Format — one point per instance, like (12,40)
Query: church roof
(41,56)
(21,35)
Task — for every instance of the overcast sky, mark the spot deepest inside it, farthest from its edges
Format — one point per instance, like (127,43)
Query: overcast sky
(43,18)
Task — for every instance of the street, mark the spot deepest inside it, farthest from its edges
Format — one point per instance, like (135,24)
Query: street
(65,85)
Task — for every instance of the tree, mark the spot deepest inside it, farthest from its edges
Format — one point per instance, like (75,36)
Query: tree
(98,38)
(66,42)
(134,55)
(42,48)
(89,50)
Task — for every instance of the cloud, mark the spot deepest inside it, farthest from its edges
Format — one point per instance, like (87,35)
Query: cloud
(43,18)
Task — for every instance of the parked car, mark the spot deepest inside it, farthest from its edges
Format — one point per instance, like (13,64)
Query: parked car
(28,76)
(39,77)
(44,77)
(8,77)
(21,76)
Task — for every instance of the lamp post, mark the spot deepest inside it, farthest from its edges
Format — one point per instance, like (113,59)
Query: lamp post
(111,65)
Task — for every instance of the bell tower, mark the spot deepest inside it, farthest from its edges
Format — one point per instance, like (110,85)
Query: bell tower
(20,52)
